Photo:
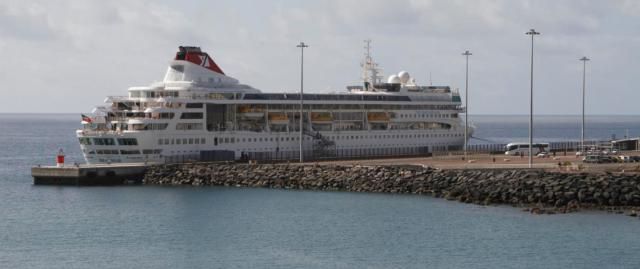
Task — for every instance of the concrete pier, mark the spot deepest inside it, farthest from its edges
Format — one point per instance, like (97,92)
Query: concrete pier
(88,175)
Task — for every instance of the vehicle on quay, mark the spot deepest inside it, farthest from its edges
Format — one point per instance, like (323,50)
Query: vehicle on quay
(543,154)
(199,112)
(516,149)
(624,159)
(598,150)
(598,159)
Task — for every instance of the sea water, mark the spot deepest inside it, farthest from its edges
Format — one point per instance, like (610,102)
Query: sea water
(217,227)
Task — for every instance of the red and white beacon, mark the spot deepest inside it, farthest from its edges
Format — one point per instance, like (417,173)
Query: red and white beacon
(60,158)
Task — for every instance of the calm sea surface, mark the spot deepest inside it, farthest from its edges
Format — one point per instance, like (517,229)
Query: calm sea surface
(215,227)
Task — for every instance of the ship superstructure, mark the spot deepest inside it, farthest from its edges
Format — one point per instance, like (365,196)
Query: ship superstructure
(198,112)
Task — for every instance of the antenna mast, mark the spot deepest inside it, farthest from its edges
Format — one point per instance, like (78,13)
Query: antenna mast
(370,71)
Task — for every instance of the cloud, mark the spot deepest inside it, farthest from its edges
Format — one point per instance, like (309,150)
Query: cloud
(629,7)
(76,52)
(26,23)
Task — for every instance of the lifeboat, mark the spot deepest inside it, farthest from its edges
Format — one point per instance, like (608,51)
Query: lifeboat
(321,117)
(251,112)
(244,109)
(378,117)
(278,118)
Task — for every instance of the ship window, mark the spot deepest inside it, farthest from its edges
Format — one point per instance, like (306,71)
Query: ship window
(166,141)
(178,141)
(203,141)
(190,140)
(191,115)
(184,141)
(106,151)
(149,126)
(189,126)
(160,141)
(85,141)
(134,94)
(193,105)
(128,141)
(104,141)
(129,152)
(226,140)
(233,140)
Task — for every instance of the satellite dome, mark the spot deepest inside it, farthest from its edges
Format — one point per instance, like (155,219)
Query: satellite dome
(394,79)
(404,76)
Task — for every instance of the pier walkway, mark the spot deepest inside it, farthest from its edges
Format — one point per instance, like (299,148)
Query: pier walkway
(86,174)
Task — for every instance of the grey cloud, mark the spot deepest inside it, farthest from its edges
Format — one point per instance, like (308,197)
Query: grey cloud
(29,23)
(254,41)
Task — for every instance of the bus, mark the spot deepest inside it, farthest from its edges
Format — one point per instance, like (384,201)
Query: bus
(515,149)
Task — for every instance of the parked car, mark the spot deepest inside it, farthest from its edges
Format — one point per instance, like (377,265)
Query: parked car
(609,159)
(634,158)
(597,159)
(610,152)
(543,154)
(591,159)
(624,159)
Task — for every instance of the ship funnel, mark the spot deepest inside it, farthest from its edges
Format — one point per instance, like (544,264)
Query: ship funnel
(196,56)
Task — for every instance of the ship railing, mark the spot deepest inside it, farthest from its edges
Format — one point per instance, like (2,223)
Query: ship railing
(117,98)
(124,119)
(100,132)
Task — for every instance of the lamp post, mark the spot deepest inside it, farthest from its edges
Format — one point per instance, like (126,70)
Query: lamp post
(302,45)
(584,75)
(532,33)
(466,104)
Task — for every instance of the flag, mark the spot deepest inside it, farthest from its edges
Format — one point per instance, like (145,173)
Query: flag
(86,118)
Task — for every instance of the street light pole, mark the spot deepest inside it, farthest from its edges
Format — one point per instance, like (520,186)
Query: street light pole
(532,33)
(302,45)
(584,75)
(466,104)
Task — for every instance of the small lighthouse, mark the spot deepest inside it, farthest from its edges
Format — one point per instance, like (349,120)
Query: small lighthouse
(60,158)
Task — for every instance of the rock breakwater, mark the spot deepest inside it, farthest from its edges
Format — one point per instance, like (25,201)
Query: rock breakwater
(538,191)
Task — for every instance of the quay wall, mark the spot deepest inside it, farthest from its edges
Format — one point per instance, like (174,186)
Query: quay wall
(538,189)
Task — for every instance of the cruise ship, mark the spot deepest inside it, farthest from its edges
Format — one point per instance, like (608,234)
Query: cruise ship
(198,112)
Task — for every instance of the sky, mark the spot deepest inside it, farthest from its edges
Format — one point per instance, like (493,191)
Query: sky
(66,56)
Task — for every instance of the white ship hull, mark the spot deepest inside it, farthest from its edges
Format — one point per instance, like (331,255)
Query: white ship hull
(274,145)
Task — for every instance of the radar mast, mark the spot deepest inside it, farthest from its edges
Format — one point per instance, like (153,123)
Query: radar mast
(371,73)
